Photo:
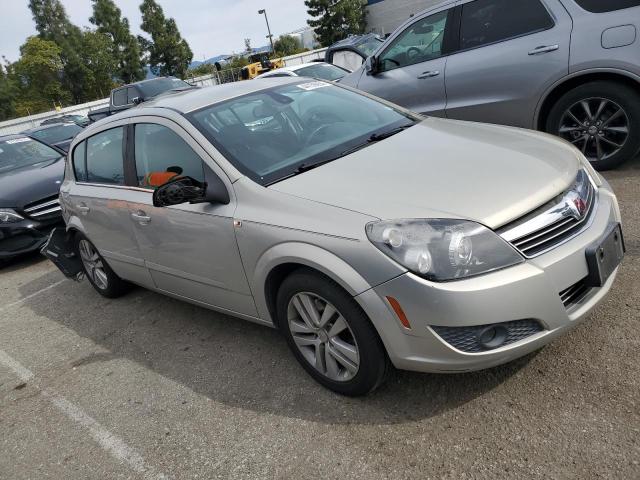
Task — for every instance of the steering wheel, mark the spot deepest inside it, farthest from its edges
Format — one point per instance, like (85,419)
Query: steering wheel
(413,53)
(316,133)
(319,114)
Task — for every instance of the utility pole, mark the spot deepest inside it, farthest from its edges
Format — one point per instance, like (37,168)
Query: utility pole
(264,12)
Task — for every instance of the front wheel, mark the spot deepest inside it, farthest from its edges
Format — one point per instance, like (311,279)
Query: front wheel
(602,119)
(330,335)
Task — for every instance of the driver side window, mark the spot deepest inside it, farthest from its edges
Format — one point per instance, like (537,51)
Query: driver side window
(420,42)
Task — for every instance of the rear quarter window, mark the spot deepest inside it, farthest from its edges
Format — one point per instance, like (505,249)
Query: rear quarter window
(80,162)
(603,6)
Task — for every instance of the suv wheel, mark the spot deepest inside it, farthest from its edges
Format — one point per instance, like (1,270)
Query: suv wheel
(602,119)
(100,275)
(330,335)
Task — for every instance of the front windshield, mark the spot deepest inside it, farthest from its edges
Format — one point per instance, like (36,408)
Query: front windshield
(22,152)
(268,135)
(160,85)
(56,134)
(324,71)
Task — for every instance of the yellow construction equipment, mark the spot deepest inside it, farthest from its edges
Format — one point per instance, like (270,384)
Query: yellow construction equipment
(260,63)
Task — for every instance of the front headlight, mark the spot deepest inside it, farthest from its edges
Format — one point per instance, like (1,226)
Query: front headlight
(9,216)
(443,249)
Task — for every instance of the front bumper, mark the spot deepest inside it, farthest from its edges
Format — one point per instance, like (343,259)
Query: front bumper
(24,237)
(530,291)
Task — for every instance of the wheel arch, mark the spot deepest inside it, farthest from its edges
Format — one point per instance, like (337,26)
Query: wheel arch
(575,80)
(281,260)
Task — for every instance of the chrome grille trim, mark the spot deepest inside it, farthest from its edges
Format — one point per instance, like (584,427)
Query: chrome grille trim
(46,207)
(555,222)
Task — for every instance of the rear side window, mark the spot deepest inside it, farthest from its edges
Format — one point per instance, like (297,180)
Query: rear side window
(161,154)
(105,160)
(491,21)
(602,6)
(120,97)
(80,162)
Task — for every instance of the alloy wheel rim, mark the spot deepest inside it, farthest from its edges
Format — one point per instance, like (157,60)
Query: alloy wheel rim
(323,336)
(93,265)
(599,127)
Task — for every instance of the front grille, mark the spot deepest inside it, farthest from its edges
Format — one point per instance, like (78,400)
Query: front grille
(44,209)
(575,293)
(554,223)
(467,339)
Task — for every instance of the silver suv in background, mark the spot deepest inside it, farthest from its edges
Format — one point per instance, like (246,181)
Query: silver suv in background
(567,67)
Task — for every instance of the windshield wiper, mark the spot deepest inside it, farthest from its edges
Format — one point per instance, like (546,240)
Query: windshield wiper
(376,137)
(373,138)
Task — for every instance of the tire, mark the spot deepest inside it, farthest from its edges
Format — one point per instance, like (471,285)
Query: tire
(336,371)
(107,283)
(587,132)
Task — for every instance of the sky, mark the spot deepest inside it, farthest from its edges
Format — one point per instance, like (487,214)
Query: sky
(212,27)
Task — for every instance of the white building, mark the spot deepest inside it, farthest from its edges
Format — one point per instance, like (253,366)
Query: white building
(384,16)
(306,36)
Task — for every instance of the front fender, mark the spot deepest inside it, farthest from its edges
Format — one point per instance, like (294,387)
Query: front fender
(307,255)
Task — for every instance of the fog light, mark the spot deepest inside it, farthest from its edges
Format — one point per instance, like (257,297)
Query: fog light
(492,337)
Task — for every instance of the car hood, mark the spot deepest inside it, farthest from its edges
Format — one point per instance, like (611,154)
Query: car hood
(445,169)
(30,184)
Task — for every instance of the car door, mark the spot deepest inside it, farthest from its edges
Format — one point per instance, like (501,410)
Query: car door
(190,250)
(510,53)
(98,197)
(411,69)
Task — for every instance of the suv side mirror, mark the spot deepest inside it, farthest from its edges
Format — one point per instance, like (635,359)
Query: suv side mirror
(371,65)
(189,190)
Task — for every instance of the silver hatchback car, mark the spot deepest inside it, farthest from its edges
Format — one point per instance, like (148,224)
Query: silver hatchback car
(369,235)
(567,67)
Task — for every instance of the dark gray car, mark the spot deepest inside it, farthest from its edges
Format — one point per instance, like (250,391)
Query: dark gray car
(568,67)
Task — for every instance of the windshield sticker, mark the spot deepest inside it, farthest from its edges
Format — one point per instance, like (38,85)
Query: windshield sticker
(313,85)
(18,140)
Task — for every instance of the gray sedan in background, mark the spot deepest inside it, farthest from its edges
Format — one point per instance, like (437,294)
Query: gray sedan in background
(567,67)
(369,235)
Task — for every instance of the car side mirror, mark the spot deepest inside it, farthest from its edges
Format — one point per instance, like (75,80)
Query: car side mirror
(189,190)
(371,65)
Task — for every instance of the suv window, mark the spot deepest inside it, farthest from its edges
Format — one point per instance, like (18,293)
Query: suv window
(420,42)
(491,21)
(131,94)
(161,155)
(598,6)
(105,158)
(80,162)
(120,97)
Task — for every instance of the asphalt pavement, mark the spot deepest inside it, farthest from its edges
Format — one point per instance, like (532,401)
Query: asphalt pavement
(149,387)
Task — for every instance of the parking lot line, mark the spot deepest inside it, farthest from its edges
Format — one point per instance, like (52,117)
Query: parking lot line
(17,302)
(108,441)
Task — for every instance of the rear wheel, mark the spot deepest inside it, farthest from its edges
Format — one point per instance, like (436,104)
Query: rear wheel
(98,272)
(602,119)
(330,335)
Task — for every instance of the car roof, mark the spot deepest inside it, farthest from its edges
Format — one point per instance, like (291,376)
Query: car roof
(47,126)
(189,100)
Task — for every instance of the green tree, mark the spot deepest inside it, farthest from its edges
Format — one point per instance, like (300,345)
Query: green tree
(334,20)
(100,64)
(37,75)
(201,70)
(287,45)
(53,24)
(168,52)
(8,93)
(124,47)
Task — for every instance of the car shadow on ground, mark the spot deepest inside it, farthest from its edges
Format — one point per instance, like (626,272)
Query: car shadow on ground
(21,262)
(239,363)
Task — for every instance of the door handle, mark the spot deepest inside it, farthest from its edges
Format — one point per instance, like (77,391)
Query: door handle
(82,208)
(431,74)
(544,49)
(141,217)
